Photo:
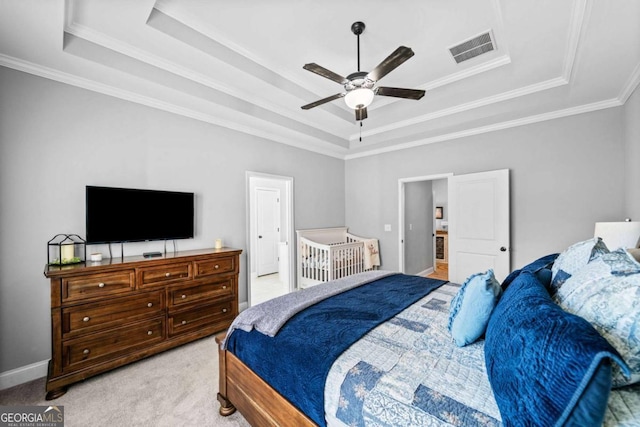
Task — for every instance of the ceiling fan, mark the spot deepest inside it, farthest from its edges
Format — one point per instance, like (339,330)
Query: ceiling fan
(360,87)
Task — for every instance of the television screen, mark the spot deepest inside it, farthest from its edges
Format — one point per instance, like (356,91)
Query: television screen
(132,215)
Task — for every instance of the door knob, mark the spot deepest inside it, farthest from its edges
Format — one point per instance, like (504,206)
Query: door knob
(503,249)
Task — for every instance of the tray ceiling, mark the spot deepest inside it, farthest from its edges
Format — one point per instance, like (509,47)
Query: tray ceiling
(239,64)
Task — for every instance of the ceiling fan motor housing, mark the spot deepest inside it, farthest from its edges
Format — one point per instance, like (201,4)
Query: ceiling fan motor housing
(358,80)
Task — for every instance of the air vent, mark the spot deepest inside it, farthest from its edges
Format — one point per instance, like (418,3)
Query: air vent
(472,48)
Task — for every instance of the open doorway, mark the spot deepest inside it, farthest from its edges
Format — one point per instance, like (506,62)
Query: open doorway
(270,234)
(478,226)
(421,234)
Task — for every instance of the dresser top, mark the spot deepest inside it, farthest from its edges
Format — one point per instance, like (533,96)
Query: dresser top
(132,261)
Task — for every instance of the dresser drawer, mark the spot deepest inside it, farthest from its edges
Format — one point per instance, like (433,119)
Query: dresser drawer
(97,285)
(105,346)
(215,316)
(211,290)
(160,275)
(87,318)
(216,266)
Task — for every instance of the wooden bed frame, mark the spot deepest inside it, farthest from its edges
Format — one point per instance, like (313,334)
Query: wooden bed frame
(241,389)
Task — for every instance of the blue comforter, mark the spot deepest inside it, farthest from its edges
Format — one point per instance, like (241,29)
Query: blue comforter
(308,344)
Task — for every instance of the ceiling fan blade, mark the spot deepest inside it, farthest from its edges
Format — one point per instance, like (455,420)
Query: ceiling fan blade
(400,55)
(361,113)
(328,74)
(323,101)
(397,92)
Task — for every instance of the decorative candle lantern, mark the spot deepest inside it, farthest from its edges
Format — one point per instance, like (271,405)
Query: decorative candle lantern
(65,249)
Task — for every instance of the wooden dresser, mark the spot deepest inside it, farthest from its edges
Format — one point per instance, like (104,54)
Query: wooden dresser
(113,312)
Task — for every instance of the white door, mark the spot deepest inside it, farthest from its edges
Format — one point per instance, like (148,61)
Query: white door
(479,224)
(268,217)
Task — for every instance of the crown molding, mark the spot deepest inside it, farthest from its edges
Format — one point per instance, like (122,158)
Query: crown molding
(101,39)
(586,108)
(579,16)
(630,86)
(277,77)
(73,80)
(505,96)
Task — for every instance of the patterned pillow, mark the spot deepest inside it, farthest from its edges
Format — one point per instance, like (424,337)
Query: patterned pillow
(606,292)
(471,308)
(573,259)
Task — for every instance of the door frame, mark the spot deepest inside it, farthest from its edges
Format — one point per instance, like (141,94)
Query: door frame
(401,210)
(286,203)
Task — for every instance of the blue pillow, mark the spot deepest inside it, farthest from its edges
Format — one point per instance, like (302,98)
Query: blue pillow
(471,308)
(546,367)
(539,267)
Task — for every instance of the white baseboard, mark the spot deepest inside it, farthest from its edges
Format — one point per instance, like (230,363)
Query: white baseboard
(23,374)
(426,272)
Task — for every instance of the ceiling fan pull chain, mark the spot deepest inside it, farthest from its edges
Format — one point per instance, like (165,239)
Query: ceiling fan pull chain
(360,131)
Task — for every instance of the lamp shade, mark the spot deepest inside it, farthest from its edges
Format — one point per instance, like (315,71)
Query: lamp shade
(359,98)
(623,234)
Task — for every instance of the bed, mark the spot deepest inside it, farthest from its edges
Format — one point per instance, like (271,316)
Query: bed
(336,359)
(326,254)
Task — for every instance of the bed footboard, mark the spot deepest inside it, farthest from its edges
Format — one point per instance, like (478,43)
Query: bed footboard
(256,400)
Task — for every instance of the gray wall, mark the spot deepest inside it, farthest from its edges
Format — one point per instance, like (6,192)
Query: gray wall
(418,226)
(55,139)
(565,174)
(632,165)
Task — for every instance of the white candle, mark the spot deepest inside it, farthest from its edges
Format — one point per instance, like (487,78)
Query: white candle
(218,243)
(66,252)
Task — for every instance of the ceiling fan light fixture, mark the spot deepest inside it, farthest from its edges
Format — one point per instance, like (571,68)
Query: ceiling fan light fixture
(359,98)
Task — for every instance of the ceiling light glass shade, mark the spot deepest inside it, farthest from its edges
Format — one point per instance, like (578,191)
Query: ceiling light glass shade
(359,98)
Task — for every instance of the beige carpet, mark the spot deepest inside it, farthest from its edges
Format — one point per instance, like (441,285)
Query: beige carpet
(174,388)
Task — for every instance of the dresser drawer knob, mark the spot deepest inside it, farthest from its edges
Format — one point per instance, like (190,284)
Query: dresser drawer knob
(85,351)
(150,304)
(149,332)
(224,310)
(184,322)
(86,319)
(101,285)
(224,287)
(216,266)
(167,274)
(183,296)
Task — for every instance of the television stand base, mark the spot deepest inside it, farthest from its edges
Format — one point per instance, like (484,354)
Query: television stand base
(151,254)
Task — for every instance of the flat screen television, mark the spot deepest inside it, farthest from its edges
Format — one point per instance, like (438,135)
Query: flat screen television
(133,215)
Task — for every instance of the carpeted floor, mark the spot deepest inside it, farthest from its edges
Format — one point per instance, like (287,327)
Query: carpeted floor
(174,388)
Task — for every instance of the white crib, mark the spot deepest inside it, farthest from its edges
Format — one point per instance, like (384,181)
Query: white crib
(331,253)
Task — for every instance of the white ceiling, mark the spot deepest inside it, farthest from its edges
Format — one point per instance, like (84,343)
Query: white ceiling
(238,64)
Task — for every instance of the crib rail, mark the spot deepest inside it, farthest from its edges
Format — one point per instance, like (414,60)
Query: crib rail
(321,262)
(347,259)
